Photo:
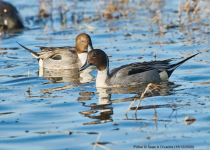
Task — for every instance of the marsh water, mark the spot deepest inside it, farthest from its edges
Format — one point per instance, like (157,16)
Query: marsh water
(64,110)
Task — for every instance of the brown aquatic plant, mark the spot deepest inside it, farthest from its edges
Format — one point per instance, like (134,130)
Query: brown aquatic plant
(28,90)
(120,8)
(44,7)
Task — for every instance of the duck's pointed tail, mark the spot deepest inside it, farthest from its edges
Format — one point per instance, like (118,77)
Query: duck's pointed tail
(174,66)
(30,51)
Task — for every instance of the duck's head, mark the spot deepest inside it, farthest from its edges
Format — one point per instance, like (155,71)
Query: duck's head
(83,43)
(97,58)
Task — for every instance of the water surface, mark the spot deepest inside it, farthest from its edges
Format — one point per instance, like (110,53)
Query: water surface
(63,112)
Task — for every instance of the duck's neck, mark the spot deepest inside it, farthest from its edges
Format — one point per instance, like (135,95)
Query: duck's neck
(82,58)
(101,78)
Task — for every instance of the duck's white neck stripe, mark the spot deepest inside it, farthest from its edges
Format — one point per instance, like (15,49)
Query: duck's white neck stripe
(101,78)
(82,58)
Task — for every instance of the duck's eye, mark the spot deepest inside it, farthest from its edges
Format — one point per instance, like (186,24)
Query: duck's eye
(94,55)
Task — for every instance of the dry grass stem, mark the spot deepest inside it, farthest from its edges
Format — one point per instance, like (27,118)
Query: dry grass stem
(45,28)
(155,116)
(150,85)
(97,144)
(89,27)
(102,146)
(142,52)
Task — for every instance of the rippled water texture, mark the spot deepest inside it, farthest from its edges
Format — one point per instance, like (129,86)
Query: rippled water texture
(63,111)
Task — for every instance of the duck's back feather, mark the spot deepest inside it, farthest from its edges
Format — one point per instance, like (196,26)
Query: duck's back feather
(48,52)
(140,67)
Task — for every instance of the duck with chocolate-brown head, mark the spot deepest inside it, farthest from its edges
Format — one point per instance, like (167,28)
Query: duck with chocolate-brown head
(64,57)
(130,74)
(98,58)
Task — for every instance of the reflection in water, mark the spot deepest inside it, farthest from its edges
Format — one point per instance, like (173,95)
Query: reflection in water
(71,76)
(104,105)
(189,120)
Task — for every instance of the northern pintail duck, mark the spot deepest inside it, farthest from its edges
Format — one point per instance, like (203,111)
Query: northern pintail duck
(9,16)
(130,74)
(64,57)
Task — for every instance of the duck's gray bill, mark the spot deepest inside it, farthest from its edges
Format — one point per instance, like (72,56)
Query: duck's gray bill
(84,66)
(90,47)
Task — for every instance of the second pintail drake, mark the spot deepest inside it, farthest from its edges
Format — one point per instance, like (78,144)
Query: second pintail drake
(130,74)
(64,57)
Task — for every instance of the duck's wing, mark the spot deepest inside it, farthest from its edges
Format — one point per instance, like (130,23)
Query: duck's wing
(140,67)
(158,65)
(130,69)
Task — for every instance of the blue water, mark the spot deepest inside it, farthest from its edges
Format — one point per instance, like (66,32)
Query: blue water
(56,114)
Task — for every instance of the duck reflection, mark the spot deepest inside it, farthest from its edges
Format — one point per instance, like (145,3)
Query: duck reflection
(104,110)
(71,76)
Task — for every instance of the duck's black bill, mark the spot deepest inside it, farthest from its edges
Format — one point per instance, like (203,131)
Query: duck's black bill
(86,65)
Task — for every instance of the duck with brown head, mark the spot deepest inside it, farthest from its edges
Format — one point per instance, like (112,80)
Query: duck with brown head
(64,57)
(83,44)
(99,59)
(130,74)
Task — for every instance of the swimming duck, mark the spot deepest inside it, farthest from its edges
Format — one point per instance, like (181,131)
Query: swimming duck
(9,16)
(64,57)
(130,74)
